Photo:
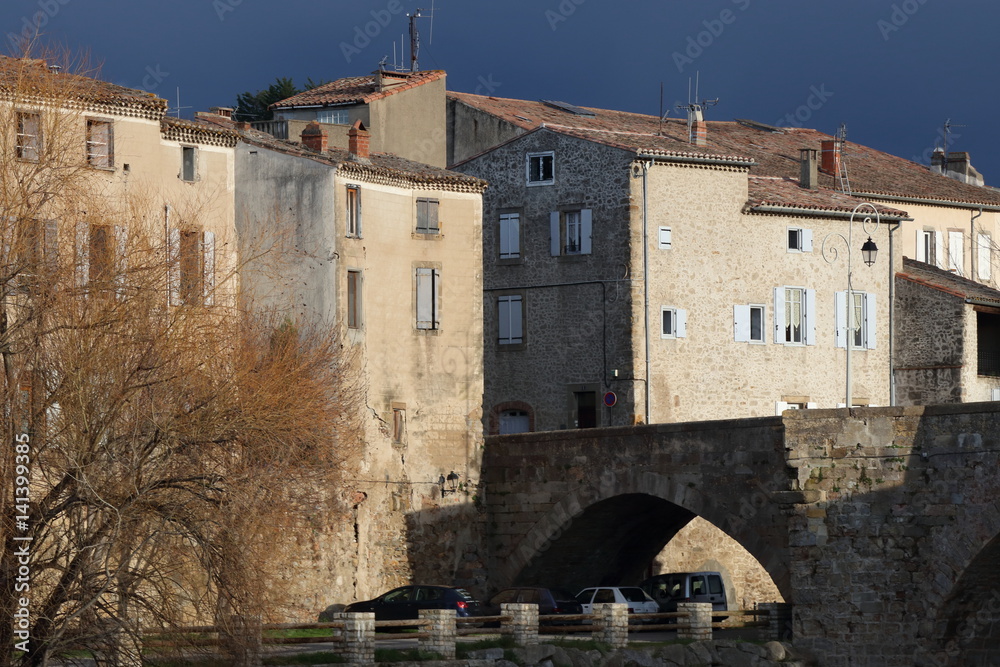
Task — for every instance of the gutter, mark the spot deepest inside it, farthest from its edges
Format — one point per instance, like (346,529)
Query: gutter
(818,213)
(923,200)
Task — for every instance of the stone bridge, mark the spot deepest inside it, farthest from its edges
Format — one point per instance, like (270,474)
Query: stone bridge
(880,525)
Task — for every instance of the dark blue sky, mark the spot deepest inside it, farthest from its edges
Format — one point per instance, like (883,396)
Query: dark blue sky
(893,70)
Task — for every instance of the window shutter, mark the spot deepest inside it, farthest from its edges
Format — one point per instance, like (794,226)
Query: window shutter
(983,264)
(811,406)
(870,320)
(174,267)
(779,315)
(741,324)
(995,394)
(780,407)
(921,251)
(82,248)
(807,240)
(664,238)
(809,336)
(503,318)
(938,250)
(208,264)
(428,312)
(120,259)
(840,316)
(956,252)
(516,323)
(554,237)
(586,228)
(357,209)
(682,322)
(50,247)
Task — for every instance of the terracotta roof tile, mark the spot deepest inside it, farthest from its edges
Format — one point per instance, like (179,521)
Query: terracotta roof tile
(786,192)
(775,150)
(358,89)
(946,281)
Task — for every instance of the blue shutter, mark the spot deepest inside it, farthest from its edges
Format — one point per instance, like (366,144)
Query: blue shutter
(870,320)
(554,238)
(586,227)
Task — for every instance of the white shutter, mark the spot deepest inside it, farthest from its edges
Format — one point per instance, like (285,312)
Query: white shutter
(425,298)
(681,325)
(741,324)
(664,238)
(870,320)
(555,245)
(120,260)
(82,247)
(840,317)
(956,252)
(807,240)
(208,265)
(939,250)
(586,228)
(779,315)
(357,210)
(995,394)
(780,407)
(174,267)
(811,406)
(983,259)
(921,251)
(809,336)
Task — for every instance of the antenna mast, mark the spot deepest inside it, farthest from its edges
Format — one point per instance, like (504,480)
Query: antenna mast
(695,111)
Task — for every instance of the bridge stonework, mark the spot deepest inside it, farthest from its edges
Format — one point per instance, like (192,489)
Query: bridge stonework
(880,525)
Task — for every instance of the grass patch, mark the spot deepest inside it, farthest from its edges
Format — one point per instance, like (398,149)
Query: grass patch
(301,632)
(409,655)
(317,658)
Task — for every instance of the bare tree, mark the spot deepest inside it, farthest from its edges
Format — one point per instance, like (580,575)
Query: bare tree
(162,449)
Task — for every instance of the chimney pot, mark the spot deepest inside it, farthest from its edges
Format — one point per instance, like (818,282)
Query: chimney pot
(809,173)
(225,112)
(358,139)
(314,137)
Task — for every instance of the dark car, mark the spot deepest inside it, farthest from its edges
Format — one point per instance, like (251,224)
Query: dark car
(407,601)
(549,600)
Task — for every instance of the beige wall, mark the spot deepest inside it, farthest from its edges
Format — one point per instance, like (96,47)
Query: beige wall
(721,257)
(411,123)
(943,220)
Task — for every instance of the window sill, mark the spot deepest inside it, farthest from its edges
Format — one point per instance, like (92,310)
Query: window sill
(99,168)
(427,332)
(427,236)
(533,184)
(510,261)
(511,347)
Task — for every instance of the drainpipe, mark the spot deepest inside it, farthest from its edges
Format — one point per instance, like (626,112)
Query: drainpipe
(892,312)
(645,278)
(974,246)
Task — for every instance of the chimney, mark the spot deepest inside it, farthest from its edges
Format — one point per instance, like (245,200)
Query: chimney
(809,174)
(225,112)
(357,140)
(830,161)
(314,137)
(697,128)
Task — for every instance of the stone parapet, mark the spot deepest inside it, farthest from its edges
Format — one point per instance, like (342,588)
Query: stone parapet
(611,625)
(359,637)
(779,621)
(699,621)
(441,633)
(524,622)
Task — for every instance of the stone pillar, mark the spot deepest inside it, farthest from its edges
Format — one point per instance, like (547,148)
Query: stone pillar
(611,625)
(441,633)
(359,637)
(779,620)
(698,622)
(524,622)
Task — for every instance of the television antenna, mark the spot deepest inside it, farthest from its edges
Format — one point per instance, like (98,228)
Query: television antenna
(178,108)
(415,35)
(946,133)
(695,111)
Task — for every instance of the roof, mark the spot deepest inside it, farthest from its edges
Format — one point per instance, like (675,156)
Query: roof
(775,150)
(769,191)
(946,281)
(379,167)
(198,131)
(32,80)
(359,89)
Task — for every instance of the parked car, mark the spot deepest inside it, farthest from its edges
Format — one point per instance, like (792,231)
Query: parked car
(549,600)
(407,601)
(637,600)
(669,589)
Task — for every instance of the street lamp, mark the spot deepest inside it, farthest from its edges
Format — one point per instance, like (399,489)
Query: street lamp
(868,253)
(452,481)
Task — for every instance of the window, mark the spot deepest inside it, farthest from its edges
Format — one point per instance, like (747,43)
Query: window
(586,409)
(427,216)
(398,424)
(798,404)
(673,322)
(36,258)
(570,232)
(663,238)
(861,328)
(984,257)
(988,341)
(794,316)
(100,255)
(100,144)
(29,135)
(337,116)
(511,319)
(799,240)
(510,235)
(748,324)
(187,163)
(354,299)
(540,168)
(956,252)
(428,291)
(353,225)
(514,421)
(929,247)
(191,267)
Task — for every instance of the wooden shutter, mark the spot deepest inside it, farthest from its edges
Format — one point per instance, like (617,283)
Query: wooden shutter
(807,240)
(741,324)
(586,229)
(680,326)
(427,298)
(120,260)
(921,251)
(81,245)
(809,310)
(840,316)
(983,259)
(870,320)
(555,241)
(938,250)
(174,267)
(779,315)
(49,259)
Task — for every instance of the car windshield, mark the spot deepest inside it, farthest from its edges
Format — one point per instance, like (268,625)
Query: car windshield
(583,597)
(634,594)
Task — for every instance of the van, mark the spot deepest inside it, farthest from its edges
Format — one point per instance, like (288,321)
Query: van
(669,589)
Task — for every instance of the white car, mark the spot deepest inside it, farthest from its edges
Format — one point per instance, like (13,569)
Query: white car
(638,600)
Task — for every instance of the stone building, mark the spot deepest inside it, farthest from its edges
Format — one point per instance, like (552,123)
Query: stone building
(951,326)
(387,251)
